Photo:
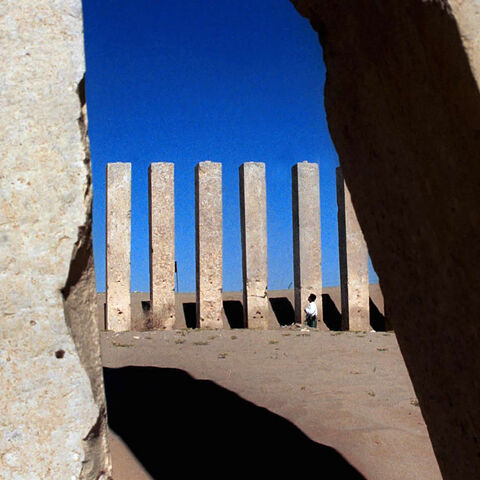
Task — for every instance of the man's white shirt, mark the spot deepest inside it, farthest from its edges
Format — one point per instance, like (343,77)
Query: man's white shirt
(311,309)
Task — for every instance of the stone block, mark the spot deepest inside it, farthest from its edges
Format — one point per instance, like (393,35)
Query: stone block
(307,244)
(53,420)
(118,227)
(253,215)
(162,246)
(353,254)
(208,243)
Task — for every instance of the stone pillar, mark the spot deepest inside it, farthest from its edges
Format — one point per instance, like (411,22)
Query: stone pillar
(253,216)
(53,420)
(307,252)
(353,263)
(118,230)
(162,246)
(208,243)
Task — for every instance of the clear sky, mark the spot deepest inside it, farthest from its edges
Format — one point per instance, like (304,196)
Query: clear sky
(229,81)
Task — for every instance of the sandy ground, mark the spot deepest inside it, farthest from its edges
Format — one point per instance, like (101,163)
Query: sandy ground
(290,393)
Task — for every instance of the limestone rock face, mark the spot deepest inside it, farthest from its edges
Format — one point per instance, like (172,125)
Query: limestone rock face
(52,422)
(403,108)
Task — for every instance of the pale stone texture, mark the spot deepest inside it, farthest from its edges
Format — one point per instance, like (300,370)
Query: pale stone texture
(208,243)
(253,216)
(118,233)
(307,246)
(353,255)
(403,107)
(52,422)
(162,246)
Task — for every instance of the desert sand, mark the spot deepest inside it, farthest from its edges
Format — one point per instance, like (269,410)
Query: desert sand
(225,402)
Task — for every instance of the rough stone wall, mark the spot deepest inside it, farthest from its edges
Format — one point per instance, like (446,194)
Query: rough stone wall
(403,108)
(53,409)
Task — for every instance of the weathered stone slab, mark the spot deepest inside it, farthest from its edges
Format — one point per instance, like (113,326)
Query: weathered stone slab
(118,226)
(403,107)
(53,421)
(307,244)
(353,263)
(209,249)
(162,246)
(253,215)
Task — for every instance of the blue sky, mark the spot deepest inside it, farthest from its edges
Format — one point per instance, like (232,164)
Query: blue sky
(221,80)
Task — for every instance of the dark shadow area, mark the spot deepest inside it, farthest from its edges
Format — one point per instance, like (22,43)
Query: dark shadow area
(172,422)
(190,314)
(234,312)
(146,306)
(331,316)
(283,310)
(377,320)
(104,316)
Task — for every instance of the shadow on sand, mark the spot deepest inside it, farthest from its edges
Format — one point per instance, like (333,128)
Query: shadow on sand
(172,422)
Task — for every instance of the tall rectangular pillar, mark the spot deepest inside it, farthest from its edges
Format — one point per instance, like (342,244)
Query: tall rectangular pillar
(253,216)
(118,228)
(208,243)
(162,246)
(353,263)
(307,252)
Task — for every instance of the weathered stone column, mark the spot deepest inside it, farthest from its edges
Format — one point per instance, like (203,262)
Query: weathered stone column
(208,243)
(353,263)
(162,246)
(307,250)
(53,421)
(118,229)
(253,216)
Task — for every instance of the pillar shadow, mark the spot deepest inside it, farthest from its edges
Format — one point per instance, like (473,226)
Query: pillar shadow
(172,422)
(190,314)
(283,310)
(234,312)
(331,316)
(377,320)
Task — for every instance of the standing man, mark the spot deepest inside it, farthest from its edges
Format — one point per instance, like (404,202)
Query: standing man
(311,311)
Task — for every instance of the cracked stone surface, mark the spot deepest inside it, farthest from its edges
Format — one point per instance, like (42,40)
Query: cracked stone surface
(53,412)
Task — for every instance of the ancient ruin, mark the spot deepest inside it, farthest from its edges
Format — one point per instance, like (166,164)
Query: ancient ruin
(209,249)
(118,233)
(404,112)
(353,255)
(253,216)
(160,312)
(162,246)
(307,250)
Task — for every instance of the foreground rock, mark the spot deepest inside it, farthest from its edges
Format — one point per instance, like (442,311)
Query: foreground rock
(403,108)
(53,410)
